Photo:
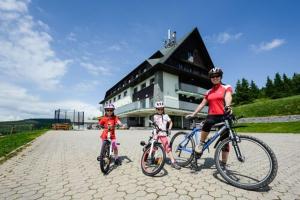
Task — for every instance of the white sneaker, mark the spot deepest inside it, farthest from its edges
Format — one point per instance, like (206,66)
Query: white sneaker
(198,148)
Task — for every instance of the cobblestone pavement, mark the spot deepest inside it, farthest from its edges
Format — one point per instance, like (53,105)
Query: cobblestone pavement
(62,165)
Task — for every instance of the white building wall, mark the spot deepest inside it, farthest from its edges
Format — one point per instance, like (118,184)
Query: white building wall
(128,99)
(170,81)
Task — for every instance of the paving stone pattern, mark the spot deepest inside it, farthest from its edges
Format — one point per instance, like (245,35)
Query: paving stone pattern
(62,165)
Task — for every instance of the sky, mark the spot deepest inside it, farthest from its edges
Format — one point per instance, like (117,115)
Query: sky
(67,53)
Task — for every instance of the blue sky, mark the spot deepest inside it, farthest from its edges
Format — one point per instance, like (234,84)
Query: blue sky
(66,54)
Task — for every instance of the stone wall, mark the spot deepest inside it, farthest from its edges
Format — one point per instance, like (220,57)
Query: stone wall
(287,118)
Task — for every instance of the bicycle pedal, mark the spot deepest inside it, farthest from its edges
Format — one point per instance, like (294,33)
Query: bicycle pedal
(98,158)
(198,155)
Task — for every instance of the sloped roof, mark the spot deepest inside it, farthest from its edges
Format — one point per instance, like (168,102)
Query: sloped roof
(167,52)
(162,55)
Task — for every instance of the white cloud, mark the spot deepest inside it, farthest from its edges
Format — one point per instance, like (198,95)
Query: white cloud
(267,46)
(86,86)
(224,37)
(95,70)
(13,5)
(16,103)
(25,53)
(115,47)
(72,37)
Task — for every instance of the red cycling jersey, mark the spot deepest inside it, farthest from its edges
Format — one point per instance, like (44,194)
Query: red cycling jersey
(106,122)
(215,97)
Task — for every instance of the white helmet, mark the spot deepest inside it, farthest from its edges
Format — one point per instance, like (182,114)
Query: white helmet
(159,104)
(215,71)
(109,106)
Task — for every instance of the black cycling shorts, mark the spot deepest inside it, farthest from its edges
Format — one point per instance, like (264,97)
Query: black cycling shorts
(212,120)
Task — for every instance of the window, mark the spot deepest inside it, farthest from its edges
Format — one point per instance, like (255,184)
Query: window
(125,93)
(109,101)
(114,99)
(135,90)
(119,96)
(190,57)
(152,81)
(143,86)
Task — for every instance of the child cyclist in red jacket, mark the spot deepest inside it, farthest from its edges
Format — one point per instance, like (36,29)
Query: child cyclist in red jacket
(109,122)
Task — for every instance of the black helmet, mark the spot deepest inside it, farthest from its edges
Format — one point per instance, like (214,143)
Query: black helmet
(215,71)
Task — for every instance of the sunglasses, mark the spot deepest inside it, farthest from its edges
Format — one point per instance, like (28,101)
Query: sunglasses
(159,109)
(215,76)
(109,110)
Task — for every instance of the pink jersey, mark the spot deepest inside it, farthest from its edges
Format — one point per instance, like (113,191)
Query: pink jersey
(216,99)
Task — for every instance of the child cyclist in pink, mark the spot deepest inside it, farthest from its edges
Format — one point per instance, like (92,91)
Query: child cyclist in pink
(161,119)
(109,122)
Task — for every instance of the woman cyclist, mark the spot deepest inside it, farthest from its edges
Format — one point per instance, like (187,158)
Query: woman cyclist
(219,99)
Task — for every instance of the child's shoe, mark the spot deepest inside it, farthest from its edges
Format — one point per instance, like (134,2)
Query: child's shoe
(175,165)
(118,161)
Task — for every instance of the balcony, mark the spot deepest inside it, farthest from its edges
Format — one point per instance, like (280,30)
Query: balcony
(190,90)
(183,105)
(146,92)
(146,105)
(137,105)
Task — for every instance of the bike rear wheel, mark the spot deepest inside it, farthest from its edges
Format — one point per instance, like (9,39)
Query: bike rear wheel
(153,164)
(105,158)
(256,168)
(182,148)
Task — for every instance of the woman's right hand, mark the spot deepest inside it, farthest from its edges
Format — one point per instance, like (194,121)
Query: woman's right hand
(189,116)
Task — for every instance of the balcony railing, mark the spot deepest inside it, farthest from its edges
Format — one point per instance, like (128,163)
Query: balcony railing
(191,106)
(190,88)
(148,103)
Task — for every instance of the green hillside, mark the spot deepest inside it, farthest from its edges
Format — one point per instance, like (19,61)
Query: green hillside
(8,127)
(270,107)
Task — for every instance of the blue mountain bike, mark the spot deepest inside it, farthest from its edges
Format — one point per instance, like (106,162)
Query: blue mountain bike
(251,163)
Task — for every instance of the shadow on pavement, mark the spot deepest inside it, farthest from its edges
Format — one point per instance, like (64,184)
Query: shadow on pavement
(208,164)
(217,176)
(123,158)
(162,173)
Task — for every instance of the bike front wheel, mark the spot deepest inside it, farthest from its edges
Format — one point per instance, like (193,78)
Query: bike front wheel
(255,168)
(105,158)
(182,148)
(153,162)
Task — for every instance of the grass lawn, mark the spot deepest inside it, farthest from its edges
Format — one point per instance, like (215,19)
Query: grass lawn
(276,127)
(8,143)
(270,107)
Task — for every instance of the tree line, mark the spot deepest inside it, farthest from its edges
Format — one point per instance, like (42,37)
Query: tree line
(280,86)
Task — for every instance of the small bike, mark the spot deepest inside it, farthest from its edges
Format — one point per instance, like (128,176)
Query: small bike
(251,163)
(154,155)
(106,153)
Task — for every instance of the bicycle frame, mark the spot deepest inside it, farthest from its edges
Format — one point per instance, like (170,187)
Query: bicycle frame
(211,139)
(152,140)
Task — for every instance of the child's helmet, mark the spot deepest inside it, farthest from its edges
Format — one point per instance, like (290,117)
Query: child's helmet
(159,104)
(215,71)
(109,106)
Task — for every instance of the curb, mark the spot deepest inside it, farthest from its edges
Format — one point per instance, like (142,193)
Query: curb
(17,150)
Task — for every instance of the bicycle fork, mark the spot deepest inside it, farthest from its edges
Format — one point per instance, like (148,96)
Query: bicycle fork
(235,140)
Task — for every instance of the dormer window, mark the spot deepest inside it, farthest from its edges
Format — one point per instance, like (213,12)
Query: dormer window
(190,57)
